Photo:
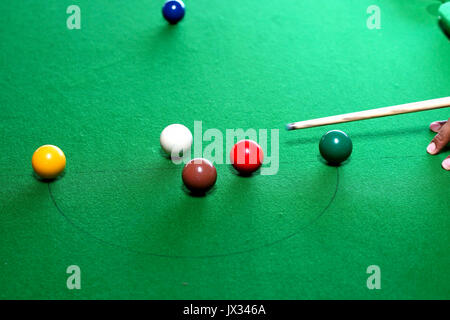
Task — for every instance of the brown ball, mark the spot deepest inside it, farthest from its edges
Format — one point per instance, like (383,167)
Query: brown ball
(199,175)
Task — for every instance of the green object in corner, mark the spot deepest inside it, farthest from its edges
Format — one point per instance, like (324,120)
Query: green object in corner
(444,14)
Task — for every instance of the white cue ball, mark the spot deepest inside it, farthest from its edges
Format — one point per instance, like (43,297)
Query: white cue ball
(175,139)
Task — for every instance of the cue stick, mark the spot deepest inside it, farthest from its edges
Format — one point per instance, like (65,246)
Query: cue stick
(373,113)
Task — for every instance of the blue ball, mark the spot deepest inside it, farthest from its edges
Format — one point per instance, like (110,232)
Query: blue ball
(173,11)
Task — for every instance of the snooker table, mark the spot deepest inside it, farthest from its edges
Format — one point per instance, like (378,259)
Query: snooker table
(104,92)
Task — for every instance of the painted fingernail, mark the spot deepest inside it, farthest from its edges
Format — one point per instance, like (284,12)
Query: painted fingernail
(446,164)
(431,148)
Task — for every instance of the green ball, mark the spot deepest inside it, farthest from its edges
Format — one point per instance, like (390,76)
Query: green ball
(444,16)
(335,146)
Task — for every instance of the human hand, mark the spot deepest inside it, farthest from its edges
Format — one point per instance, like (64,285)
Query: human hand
(442,128)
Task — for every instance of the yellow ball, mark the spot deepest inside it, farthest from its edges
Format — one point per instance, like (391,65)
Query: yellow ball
(48,161)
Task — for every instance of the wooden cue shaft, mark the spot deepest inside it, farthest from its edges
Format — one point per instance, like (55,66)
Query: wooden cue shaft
(373,113)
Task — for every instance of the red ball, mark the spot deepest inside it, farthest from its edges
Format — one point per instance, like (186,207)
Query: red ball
(246,156)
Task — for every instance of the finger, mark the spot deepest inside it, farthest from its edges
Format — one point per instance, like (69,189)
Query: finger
(440,140)
(437,125)
(446,163)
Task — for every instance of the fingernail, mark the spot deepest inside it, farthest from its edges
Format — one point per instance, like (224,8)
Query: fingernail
(431,148)
(435,126)
(446,164)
